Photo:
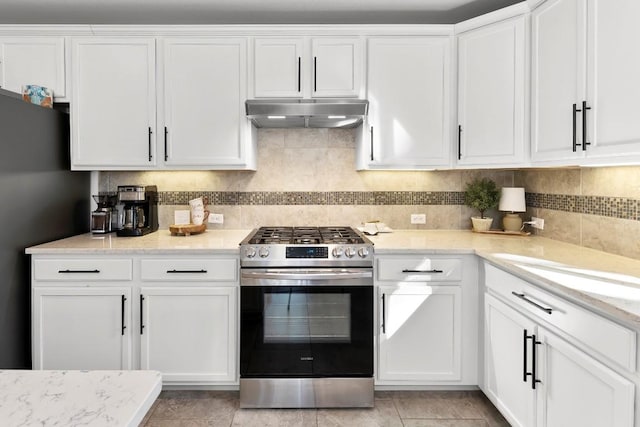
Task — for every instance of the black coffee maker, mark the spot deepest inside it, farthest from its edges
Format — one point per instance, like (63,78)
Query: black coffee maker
(140,209)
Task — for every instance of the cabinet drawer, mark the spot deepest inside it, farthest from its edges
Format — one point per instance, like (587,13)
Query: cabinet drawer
(190,269)
(419,269)
(604,336)
(89,269)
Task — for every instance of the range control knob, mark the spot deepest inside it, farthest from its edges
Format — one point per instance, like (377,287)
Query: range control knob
(263,252)
(337,252)
(350,252)
(250,252)
(363,252)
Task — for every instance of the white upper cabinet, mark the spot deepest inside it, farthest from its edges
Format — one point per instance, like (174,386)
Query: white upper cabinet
(408,88)
(204,88)
(33,61)
(277,67)
(302,67)
(492,94)
(337,67)
(582,56)
(113,105)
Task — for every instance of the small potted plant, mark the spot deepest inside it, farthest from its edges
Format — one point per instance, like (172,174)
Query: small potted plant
(481,194)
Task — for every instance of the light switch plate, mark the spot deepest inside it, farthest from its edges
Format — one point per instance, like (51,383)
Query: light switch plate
(215,218)
(418,218)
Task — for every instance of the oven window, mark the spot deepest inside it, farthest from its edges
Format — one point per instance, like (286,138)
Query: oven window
(291,317)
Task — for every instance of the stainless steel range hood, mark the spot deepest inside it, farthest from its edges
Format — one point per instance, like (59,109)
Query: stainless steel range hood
(307,113)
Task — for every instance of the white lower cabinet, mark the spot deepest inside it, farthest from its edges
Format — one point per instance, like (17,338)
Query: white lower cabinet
(82,328)
(189,333)
(412,319)
(535,377)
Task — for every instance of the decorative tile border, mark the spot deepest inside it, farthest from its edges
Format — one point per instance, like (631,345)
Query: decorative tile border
(616,207)
(315,197)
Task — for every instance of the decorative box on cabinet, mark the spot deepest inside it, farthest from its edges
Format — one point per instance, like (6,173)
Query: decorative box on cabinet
(408,88)
(543,359)
(33,61)
(284,69)
(493,84)
(584,82)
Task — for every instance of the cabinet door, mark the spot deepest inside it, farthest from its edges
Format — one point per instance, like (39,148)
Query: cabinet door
(613,79)
(558,79)
(337,65)
(81,328)
(578,390)
(189,333)
(277,68)
(408,91)
(419,333)
(113,103)
(507,359)
(204,94)
(491,94)
(33,61)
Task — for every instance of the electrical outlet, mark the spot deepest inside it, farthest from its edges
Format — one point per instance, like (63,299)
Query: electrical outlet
(537,223)
(418,218)
(216,218)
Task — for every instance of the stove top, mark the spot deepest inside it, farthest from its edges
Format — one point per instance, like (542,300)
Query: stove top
(306,246)
(306,236)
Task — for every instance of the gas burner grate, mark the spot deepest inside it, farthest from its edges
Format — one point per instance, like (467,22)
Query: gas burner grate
(306,235)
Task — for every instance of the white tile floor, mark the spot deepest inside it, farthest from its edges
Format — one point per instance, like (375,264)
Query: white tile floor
(401,409)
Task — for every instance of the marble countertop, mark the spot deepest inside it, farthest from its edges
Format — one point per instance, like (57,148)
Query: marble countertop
(159,242)
(77,398)
(605,282)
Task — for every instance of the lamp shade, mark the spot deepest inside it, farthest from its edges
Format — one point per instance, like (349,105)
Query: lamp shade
(512,199)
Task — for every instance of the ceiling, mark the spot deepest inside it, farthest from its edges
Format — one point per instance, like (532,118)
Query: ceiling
(164,12)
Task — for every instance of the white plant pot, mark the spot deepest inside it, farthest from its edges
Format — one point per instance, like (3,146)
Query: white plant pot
(481,224)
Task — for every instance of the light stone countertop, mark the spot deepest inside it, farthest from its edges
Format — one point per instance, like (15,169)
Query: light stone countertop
(605,282)
(77,398)
(157,243)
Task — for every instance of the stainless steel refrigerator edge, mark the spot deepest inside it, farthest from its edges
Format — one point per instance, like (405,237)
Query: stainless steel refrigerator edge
(41,200)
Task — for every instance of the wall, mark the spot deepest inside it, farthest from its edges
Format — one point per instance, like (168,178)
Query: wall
(307,177)
(593,207)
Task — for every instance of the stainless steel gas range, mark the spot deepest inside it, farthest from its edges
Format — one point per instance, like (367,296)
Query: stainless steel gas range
(306,318)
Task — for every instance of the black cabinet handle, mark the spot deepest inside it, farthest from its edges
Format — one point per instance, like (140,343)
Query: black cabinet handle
(122,300)
(525,374)
(79,271)
(575,142)
(459,142)
(299,69)
(150,155)
(315,74)
(141,315)
(584,125)
(535,304)
(422,271)
(187,271)
(384,331)
(371,131)
(534,380)
(166,153)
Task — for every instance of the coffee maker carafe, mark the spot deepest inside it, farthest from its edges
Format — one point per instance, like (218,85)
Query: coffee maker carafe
(140,209)
(102,217)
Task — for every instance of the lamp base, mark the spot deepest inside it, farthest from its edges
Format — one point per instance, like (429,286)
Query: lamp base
(512,222)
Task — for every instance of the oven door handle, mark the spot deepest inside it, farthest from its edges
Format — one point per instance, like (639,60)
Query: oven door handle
(342,274)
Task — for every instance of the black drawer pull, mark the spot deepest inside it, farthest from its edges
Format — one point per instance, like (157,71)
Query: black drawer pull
(423,271)
(141,315)
(187,271)
(79,271)
(384,329)
(535,304)
(122,325)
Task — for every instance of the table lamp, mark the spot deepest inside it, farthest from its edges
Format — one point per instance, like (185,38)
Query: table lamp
(512,201)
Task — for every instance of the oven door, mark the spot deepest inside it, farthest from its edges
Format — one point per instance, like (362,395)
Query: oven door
(306,323)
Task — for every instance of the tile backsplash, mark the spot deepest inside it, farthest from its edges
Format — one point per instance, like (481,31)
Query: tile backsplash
(307,177)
